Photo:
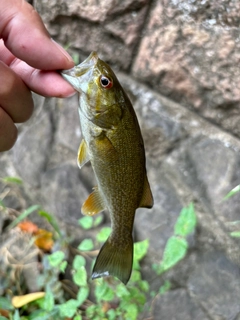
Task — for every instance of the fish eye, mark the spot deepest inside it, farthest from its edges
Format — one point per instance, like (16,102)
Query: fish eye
(106,82)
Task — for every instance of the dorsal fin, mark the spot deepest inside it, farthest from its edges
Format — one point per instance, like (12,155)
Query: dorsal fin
(147,198)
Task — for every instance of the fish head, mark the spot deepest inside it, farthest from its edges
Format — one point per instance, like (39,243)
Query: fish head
(100,93)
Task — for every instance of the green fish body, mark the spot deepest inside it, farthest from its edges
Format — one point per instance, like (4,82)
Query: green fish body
(113,143)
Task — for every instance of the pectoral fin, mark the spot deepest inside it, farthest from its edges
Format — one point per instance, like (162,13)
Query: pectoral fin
(147,198)
(105,149)
(82,154)
(94,203)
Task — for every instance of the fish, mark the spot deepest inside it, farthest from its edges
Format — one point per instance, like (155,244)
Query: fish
(113,143)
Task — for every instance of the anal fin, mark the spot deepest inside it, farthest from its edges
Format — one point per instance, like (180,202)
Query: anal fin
(94,203)
(83,156)
(147,198)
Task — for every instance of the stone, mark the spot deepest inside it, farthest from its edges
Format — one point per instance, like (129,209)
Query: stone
(64,192)
(111,28)
(35,140)
(215,285)
(176,305)
(68,131)
(90,10)
(127,26)
(192,58)
(199,164)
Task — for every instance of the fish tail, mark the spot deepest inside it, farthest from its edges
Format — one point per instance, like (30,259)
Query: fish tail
(114,260)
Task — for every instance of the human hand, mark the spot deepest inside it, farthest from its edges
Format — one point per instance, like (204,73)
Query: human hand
(28,58)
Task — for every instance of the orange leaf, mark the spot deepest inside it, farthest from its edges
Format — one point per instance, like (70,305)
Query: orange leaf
(44,240)
(4,313)
(28,226)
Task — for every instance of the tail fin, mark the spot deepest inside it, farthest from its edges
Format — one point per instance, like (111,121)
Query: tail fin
(114,260)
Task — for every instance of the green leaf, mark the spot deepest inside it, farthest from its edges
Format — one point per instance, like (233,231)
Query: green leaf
(78,317)
(91,311)
(23,216)
(63,266)
(75,57)
(39,314)
(97,221)
(112,314)
(5,304)
(78,262)
(51,219)
(103,234)
(56,258)
(153,294)
(132,312)
(144,286)
(235,234)
(186,221)
(2,204)
(80,277)
(135,276)
(86,222)
(82,295)
(122,291)
(16,315)
(44,315)
(48,303)
(137,296)
(232,192)
(103,292)
(69,308)
(15,180)
(3,318)
(165,287)
(140,249)
(108,295)
(175,250)
(86,245)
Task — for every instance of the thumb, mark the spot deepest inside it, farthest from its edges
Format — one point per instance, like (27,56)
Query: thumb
(26,37)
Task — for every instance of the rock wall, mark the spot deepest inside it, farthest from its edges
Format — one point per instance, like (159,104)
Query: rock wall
(179,62)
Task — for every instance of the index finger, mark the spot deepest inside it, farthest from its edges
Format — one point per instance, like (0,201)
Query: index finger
(26,37)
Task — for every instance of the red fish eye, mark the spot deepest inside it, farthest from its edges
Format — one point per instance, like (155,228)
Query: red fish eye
(106,82)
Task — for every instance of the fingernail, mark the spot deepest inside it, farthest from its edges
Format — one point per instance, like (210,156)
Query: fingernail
(63,51)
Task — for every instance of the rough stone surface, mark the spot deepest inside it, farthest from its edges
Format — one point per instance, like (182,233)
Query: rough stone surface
(187,51)
(67,203)
(176,305)
(213,275)
(93,26)
(35,139)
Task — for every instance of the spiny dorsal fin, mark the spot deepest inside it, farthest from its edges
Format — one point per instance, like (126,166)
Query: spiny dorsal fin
(94,203)
(147,198)
(82,154)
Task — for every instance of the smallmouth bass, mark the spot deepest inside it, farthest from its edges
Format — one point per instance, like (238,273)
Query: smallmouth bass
(113,143)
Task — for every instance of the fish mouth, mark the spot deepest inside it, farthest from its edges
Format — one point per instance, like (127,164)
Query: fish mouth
(79,71)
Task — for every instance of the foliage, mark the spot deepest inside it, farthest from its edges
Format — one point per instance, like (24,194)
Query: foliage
(232,192)
(234,234)
(177,245)
(110,299)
